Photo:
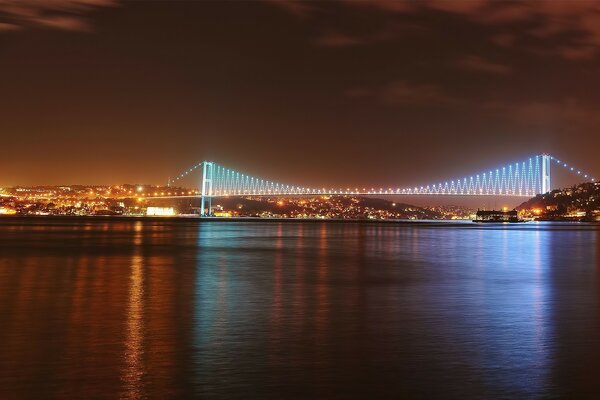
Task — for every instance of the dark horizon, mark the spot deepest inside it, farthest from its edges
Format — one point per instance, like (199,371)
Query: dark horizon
(319,93)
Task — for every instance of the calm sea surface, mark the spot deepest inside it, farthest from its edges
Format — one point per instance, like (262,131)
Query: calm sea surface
(107,309)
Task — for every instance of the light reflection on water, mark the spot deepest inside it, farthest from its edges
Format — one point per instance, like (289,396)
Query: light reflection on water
(133,370)
(168,309)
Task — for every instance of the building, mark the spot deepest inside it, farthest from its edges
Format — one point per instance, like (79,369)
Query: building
(496,216)
(160,211)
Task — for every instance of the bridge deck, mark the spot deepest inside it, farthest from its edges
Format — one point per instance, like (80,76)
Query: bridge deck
(338,194)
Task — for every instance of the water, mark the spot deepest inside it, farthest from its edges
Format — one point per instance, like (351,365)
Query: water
(180,309)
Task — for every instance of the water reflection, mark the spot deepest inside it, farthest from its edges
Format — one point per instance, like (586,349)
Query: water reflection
(134,364)
(134,367)
(137,309)
(321,289)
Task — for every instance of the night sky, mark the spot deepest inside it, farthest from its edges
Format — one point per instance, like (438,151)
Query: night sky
(379,92)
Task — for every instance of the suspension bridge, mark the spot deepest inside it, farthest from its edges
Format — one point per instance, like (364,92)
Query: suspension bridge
(525,178)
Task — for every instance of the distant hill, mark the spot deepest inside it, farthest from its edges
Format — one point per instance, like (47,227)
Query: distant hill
(578,202)
(343,207)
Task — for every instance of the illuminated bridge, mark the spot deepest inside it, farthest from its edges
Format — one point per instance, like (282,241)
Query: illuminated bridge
(524,178)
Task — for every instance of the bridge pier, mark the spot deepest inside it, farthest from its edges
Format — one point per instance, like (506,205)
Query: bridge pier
(207,188)
(546,182)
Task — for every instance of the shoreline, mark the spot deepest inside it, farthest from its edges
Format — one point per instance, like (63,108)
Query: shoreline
(223,219)
(188,218)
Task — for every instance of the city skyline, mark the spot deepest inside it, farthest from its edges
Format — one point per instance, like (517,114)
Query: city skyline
(345,91)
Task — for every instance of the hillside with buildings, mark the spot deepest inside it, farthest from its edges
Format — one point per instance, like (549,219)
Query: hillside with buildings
(330,207)
(577,203)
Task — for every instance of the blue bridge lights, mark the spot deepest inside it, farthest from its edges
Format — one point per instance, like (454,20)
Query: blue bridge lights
(526,178)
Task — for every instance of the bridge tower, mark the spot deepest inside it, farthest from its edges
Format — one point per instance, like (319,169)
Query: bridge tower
(207,188)
(546,182)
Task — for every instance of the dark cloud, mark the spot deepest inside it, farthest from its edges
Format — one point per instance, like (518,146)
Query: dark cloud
(298,8)
(7,27)
(387,5)
(402,93)
(53,14)
(571,27)
(386,33)
(339,40)
(567,112)
(399,93)
(545,113)
(568,29)
(504,39)
(480,64)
